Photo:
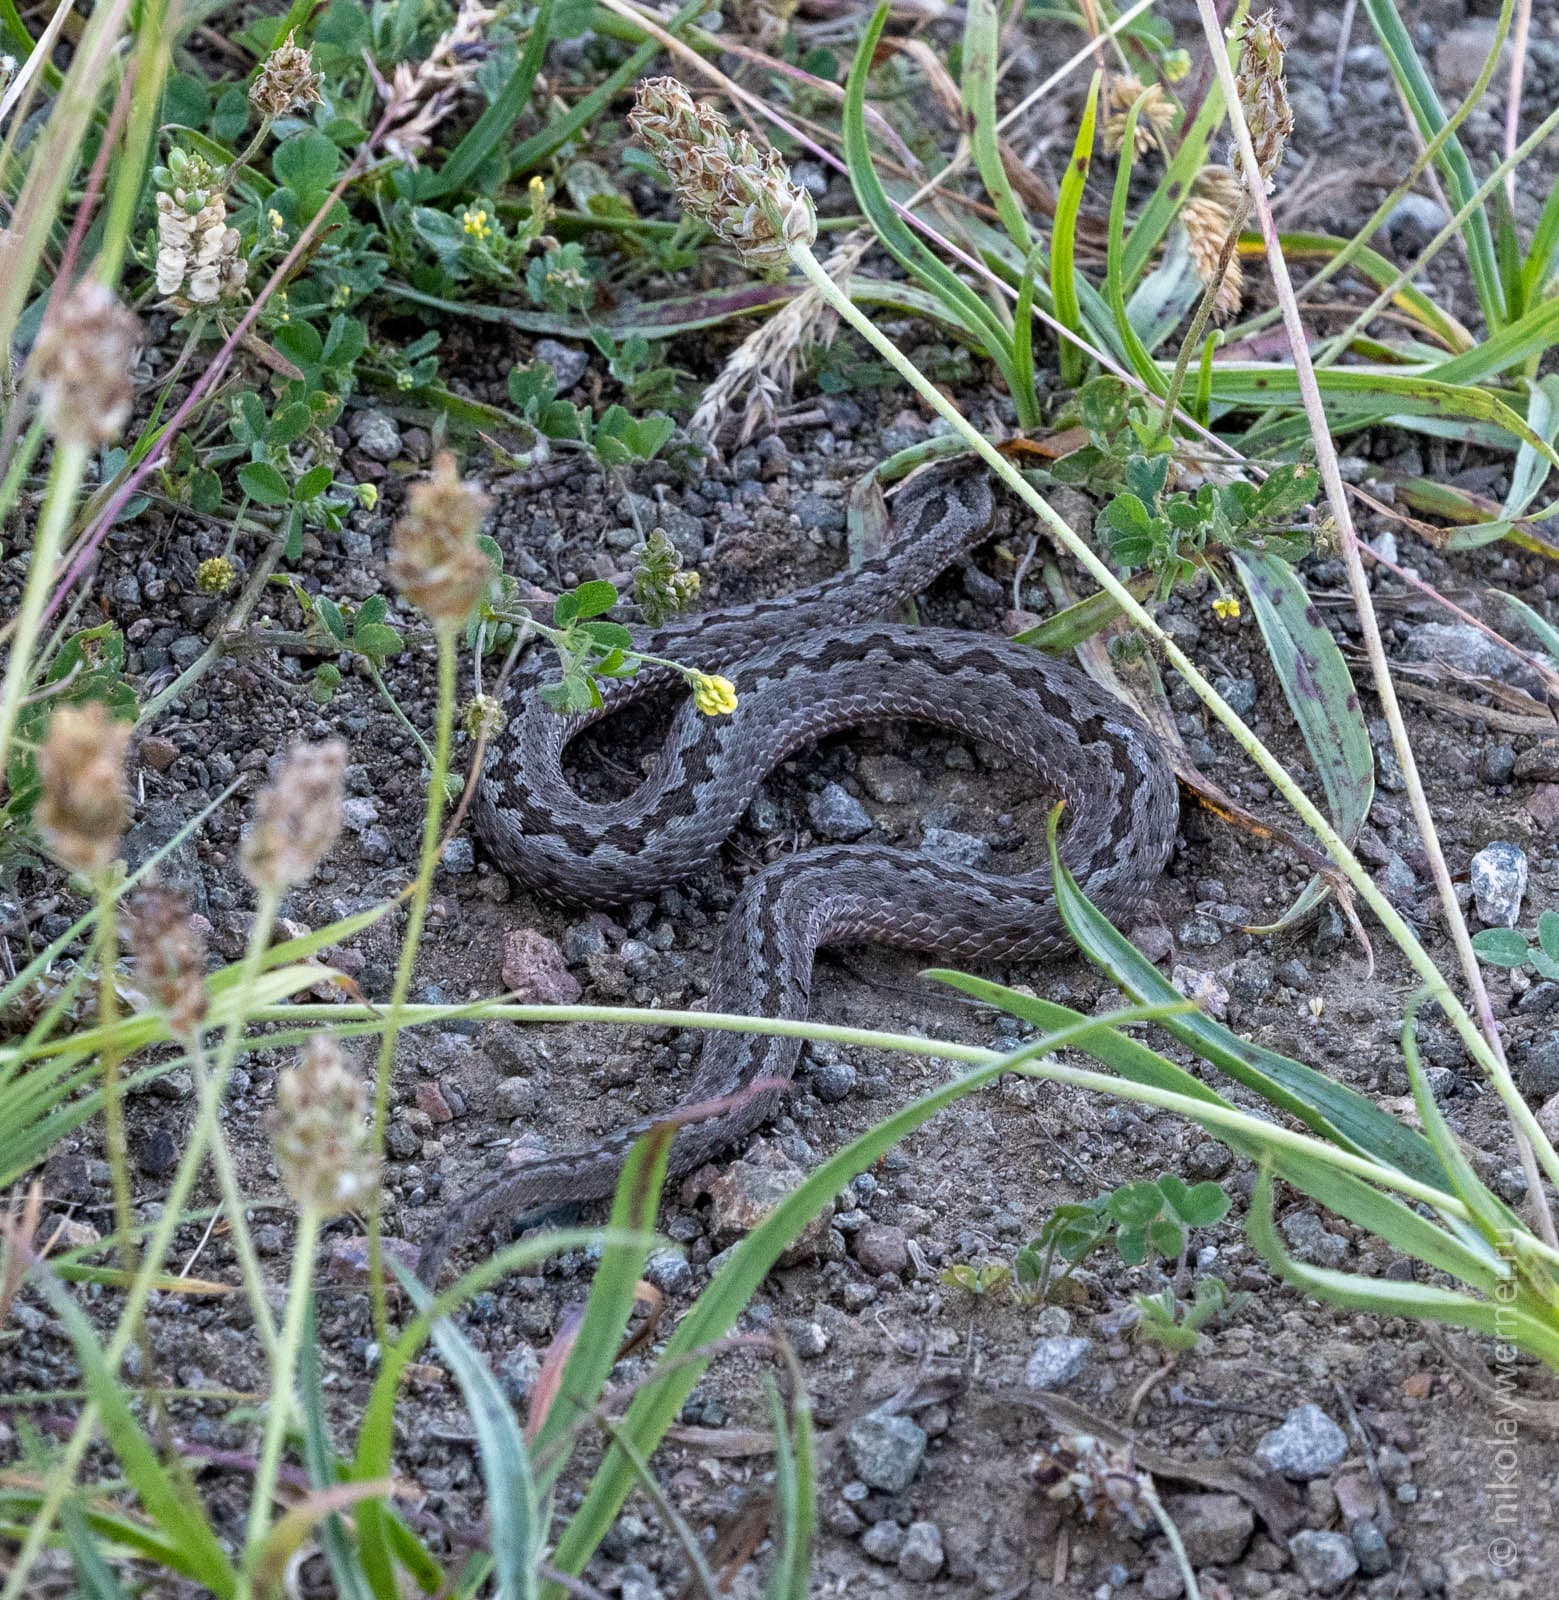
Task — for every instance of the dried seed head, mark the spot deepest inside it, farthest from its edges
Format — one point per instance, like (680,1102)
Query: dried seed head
(296,818)
(423,93)
(483,714)
(286,81)
(83,359)
(170,957)
(83,807)
(435,560)
(1263,97)
(1157,113)
(320,1133)
(746,195)
(1207,226)
(1102,1480)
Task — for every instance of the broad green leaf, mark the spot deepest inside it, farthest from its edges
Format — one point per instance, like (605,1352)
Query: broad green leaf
(264,484)
(1502,947)
(1320,694)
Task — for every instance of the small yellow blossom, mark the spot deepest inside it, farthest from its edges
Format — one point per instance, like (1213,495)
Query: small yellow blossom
(713,695)
(341,295)
(215,575)
(278,223)
(474,221)
(1227,607)
(367,496)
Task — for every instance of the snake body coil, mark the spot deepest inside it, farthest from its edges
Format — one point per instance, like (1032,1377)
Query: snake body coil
(807,665)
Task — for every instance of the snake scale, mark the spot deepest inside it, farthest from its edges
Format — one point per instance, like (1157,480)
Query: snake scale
(805,665)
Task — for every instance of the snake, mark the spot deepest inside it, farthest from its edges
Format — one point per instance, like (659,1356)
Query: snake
(807,664)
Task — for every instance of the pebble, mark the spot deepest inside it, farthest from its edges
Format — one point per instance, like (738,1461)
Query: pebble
(516,1097)
(157,752)
(513,1049)
(1369,1545)
(1310,1241)
(836,814)
(534,969)
(956,849)
(886,1450)
(883,1541)
(376,435)
(1537,1071)
(1412,222)
(568,364)
(1057,1361)
(459,857)
(881,1248)
(1459,645)
(158,1153)
(1202,987)
(831,1081)
(1461,52)
(668,1271)
(1398,882)
(358,812)
(1499,883)
(1307,1444)
(1499,764)
(1215,1527)
(921,1558)
(1325,1561)
(890,779)
(376,846)
(401,1141)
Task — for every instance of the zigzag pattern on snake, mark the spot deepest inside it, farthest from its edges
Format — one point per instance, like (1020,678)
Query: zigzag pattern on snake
(806,665)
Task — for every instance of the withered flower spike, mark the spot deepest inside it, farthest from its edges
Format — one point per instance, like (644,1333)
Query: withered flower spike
(435,560)
(170,957)
(1263,97)
(83,807)
(320,1133)
(297,817)
(83,359)
(286,81)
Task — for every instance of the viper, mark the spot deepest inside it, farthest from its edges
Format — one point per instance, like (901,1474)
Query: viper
(805,665)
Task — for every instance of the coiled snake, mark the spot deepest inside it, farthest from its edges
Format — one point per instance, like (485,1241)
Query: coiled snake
(806,665)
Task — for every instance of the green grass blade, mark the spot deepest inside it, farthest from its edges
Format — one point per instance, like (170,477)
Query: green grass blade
(1540,254)
(175,1512)
(1142,362)
(92,1571)
(960,301)
(319,1457)
(1023,325)
(1320,693)
(1452,160)
(712,1315)
(795,1488)
(1163,205)
(117,1529)
(1329,1109)
(515,1521)
(556,134)
(1513,1323)
(610,1305)
(1063,272)
(982,42)
(493,126)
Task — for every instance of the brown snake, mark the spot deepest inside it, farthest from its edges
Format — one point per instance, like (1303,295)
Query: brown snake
(806,665)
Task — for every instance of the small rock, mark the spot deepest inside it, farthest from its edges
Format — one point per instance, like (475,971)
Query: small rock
(1398,882)
(376,435)
(459,858)
(1499,764)
(1215,1527)
(831,1081)
(1543,806)
(431,1102)
(1412,222)
(1057,1361)
(1310,1241)
(157,752)
(568,364)
(880,1248)
(921,1558)
(347,1259)
(534,969)
(1537,1072)
(747,1191)
(668,1271)
(401,1140)
(890,780)
(1461,52)
(512,1048)
(158,1153)
(836,814)
(359,811)
(1307,1444)
(1202,987)
(886,1450)
(1460,645)
(1369,1545)
(516,1097)
(956,849)
(1499,883)
(883,1541)
(1325,1561)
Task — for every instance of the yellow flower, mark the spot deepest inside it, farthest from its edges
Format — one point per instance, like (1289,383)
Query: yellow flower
(1227,606)
(713,695)
(215,575)
(475,223)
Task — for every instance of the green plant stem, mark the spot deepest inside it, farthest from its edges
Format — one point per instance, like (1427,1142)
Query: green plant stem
(395,706)
(283,1368)
(1278,775)
(59,495)
(416,912)
(1483,1045)
(233,1200)
(18,465)
(207,1130)
(108,1065)
(1193,338)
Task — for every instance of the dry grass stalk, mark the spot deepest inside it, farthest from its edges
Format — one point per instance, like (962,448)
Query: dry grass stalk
(421,94)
